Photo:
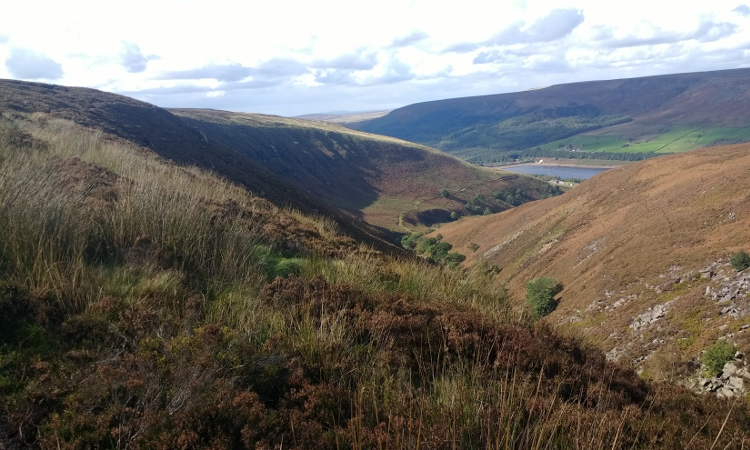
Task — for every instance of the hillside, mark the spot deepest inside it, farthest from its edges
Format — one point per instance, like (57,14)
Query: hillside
(147,304)
(156,130)
(616,119)
(642,251)
(344,117)
(386,181)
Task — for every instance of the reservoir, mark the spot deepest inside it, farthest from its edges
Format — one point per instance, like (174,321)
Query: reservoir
(556,171)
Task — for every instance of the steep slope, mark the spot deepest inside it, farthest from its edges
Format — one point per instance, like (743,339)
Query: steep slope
(166,135)
(629,115)
(642,252)
(384,179)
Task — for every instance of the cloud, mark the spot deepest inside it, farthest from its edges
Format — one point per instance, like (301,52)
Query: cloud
(365,60)
(395,72)
(334,77)
(29,65)
(4,38)
(555,25)
(488,57)
(742,10)
(133,59)
(411,38)
(219,72)
(278,69)
(707,31)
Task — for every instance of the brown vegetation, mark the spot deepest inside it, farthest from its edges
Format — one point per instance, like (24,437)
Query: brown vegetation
(638,235)
(140,308)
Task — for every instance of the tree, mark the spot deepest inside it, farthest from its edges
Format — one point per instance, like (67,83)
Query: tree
(540,296)
(740,261)
(455,216)
(444,193)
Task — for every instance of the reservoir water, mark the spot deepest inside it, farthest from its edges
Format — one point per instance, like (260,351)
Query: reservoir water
(557,171)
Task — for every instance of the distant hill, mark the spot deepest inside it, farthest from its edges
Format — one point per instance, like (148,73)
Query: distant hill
(619,119)
(344,117)
(387,181)
(642,251)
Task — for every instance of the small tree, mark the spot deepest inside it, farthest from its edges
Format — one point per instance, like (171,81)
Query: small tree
(455,216)
(444,193)
(540,296)
(740,261)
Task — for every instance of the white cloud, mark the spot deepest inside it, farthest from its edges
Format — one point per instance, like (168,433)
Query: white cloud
(343,55)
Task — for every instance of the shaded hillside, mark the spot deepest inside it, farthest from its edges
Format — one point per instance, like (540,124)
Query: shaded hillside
(382,178)
(166,135)
(642,251)
(149,305)
(627,115)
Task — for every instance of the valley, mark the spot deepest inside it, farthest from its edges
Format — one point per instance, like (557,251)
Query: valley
(196,278)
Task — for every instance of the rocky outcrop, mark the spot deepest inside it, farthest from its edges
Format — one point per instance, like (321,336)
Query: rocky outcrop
(731,290)
(732,381)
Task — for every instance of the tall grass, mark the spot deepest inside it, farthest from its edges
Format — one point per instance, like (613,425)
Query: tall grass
(360,351)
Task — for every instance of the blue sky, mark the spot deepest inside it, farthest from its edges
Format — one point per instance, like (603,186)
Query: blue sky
(298,57)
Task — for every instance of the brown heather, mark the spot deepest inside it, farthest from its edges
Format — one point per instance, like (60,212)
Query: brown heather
(140,307)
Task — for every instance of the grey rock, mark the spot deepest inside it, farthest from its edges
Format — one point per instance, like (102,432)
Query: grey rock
(736,383)
(726,392)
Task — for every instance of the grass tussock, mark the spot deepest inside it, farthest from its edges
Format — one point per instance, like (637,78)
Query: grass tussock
(146,305)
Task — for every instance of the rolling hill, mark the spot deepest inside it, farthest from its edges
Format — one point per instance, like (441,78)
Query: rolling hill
(642,252)
(626,118)
(149,304)
(386,181)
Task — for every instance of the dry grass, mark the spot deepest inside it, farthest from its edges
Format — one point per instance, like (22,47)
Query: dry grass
(140,308)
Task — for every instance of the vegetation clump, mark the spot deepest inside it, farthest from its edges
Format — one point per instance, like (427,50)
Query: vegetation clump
(433,249)
(540,296)
(740,261)
(716,356)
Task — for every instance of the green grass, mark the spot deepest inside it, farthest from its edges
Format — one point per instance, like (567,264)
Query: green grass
(674,140)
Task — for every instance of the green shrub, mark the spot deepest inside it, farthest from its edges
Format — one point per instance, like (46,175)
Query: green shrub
(540,296)
(444,193)
(740,261)
(455,215)
(717,355)
(453,259)
(287,267)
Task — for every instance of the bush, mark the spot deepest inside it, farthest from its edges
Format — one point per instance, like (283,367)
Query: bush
(455,215)
(540,296)
(740,261)
(444,193)
(717,355)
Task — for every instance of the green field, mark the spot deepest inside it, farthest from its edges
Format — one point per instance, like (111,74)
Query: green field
(673,140)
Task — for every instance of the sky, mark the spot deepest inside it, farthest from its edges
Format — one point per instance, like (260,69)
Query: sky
(290,57)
